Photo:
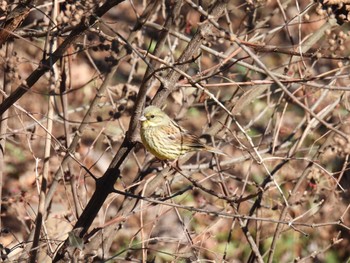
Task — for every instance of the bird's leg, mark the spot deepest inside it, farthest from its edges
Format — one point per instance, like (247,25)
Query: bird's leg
(164,163)
(174,164)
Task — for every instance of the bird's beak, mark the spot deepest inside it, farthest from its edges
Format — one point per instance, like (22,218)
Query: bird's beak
(143,118)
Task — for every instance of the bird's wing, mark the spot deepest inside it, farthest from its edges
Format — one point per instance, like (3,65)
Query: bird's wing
(182,137)
(188,142)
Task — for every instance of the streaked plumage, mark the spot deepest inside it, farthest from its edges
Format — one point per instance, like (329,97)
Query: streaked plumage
(164,138)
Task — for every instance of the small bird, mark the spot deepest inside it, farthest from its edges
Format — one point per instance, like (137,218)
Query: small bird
(165,139)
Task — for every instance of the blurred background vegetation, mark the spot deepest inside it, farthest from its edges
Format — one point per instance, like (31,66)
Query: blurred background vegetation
(267,84)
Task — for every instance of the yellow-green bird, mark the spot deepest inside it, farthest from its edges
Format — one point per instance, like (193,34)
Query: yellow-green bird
(165,139)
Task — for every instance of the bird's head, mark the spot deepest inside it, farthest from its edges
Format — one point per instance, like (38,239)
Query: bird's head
(153,117)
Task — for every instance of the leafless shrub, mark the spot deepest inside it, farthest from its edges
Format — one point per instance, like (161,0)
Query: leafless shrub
(265,82)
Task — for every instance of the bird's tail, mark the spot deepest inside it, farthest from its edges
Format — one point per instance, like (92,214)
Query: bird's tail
(214,150)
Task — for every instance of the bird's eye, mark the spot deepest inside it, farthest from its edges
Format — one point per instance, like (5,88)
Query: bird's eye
(152,116)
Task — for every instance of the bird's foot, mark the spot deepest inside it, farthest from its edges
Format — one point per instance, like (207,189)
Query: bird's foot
(172,164)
